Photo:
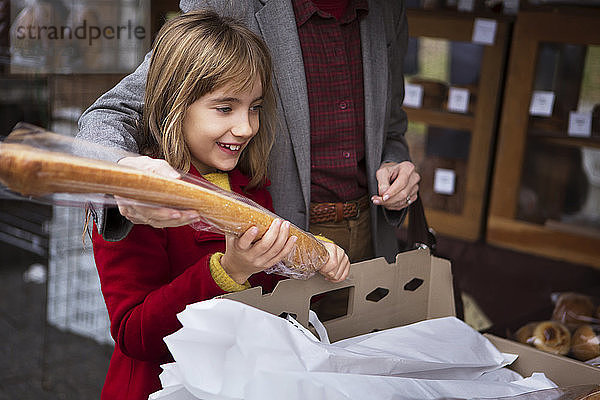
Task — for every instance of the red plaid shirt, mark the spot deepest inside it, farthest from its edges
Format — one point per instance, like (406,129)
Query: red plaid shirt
(333,66)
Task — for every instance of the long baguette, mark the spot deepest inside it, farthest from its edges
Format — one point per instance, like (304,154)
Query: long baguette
(34,172)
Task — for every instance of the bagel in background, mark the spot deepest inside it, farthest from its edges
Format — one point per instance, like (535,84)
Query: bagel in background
(549,336)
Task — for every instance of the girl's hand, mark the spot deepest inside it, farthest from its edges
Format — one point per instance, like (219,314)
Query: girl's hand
(244,256)
(157,217)
(338,266)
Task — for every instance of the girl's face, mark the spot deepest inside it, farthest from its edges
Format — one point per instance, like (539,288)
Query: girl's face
(219,125)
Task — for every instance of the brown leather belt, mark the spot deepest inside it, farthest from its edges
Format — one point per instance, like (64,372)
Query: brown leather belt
(336,212)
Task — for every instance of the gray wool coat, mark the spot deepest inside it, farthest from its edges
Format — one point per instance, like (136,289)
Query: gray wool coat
(111,120)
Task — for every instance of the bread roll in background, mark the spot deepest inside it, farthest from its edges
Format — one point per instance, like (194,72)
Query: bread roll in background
(552,337)
(549,336)
(585,342)
(525,333)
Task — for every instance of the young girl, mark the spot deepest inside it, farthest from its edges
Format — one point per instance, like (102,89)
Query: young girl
(208,88)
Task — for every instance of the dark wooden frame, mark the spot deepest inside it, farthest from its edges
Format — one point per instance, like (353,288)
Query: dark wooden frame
(469,223)
(503,229)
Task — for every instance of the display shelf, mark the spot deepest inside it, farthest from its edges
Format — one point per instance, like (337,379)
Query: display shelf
(441,118)
(451,138)
(545,195)
(573,142)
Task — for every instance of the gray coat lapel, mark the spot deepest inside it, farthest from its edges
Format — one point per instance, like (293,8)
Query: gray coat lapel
(282,39)
(375,75)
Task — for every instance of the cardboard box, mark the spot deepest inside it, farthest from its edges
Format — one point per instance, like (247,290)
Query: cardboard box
(417,287)
(561,370)
(381,296)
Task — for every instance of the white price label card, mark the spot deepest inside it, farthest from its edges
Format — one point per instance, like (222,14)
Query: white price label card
(542,103)
(444,181)
(458,99)
(413,95)
(484,31)
(580,124)
(511,7)
(465,5)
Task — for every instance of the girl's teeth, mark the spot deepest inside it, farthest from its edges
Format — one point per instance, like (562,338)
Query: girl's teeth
(232,147)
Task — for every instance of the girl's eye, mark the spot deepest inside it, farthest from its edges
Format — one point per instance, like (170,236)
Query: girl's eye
(256,108)
(224,109)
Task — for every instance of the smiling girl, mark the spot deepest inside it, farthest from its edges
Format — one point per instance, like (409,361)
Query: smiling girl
(208,111)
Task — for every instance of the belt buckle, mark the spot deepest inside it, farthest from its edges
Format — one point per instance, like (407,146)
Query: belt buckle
(357,212)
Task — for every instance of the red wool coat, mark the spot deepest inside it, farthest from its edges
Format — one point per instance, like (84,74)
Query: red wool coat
(149,277)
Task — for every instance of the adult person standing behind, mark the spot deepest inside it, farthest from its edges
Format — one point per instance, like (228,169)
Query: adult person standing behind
(340,148)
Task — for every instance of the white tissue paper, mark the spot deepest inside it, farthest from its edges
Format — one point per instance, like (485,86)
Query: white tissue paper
(229,350)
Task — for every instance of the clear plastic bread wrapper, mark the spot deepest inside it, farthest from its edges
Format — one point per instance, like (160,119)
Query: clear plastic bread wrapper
(575,309)
(229,350)
(49,167)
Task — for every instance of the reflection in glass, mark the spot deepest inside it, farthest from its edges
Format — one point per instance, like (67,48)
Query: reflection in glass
(434,148)
(560,184)
(572,73)
(437,64)
(78,36)
(561,187)
(590,82)
(24,98)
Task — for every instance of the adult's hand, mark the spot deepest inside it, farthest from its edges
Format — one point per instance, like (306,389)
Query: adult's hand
(398,185)
(157,217)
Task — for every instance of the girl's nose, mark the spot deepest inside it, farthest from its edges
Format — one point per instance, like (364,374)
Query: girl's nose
(243,128)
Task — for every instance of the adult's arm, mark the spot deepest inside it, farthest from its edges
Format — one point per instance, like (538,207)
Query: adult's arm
(396,148)
(397,178)
(112,120)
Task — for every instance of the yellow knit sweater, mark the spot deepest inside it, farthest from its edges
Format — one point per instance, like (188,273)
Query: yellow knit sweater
(221,277)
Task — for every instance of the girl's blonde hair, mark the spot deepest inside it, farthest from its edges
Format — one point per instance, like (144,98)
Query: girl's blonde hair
(194,54)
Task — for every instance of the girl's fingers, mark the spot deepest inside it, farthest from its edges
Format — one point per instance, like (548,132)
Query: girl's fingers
(337,273)
(282,237)
(336,270)
(284,252)
(272,247)
(289,246)
(328,270)
(270,235)
(281,246)
(245,241)
(343,271)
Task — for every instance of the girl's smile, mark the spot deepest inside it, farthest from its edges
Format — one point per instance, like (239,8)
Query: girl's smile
(219,125)
(230,147)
